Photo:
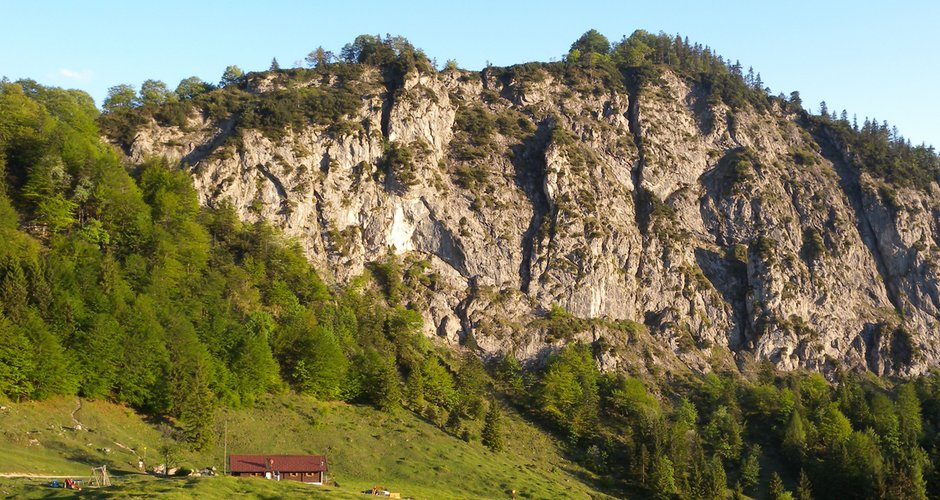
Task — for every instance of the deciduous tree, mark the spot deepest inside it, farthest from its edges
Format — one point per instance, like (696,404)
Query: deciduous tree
(120,97)
(232,75)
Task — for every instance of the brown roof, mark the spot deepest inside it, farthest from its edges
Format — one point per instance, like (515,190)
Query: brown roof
(279,463)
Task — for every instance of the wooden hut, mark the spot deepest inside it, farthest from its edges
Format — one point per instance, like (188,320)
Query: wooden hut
(304,468)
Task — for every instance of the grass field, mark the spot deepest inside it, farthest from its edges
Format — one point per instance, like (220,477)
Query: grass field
(364,447)
(144,486)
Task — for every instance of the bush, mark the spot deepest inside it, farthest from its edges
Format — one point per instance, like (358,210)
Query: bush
(173,113)
(903,348)
(272,112)
(514,124)
(476,121)
(568,143)
(474,138)
(813,245)
(398,161)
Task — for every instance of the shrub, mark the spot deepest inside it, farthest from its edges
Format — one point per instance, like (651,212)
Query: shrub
(272,112)
(398,161)
(813,246)
(476,121)
(514,124)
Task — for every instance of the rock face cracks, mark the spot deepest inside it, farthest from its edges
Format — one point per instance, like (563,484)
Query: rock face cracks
(686,234)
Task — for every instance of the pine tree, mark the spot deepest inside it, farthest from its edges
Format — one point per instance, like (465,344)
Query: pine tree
(319,57)
(794,438)
(914,474)
(663,478)
(750,468)
(197,414)
(909,415)
(641,462)
(716,479)
(492,435)
(16,362)
(804,490)
(275,66)
(414,390)
(776,488)
(51,371)
(14,291)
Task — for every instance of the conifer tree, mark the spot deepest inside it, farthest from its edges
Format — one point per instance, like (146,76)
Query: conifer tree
(776,488)
(663,480)
(16,362)
(492,435)
(909,415)
(750,468)
(804,490)
(717,479)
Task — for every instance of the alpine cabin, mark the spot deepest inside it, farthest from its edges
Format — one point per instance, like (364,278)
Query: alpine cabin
(304,468)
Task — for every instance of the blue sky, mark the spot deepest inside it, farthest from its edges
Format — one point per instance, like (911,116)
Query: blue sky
(875,59)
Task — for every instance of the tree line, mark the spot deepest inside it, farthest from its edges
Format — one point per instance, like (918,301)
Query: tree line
(770,435)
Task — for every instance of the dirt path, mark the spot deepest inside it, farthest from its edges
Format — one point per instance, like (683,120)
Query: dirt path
(80,425)
(79,407)
(128,448)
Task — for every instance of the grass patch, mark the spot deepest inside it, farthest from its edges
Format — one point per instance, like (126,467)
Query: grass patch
(365,448)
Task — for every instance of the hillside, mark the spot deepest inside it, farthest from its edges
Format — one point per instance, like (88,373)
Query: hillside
(365,448)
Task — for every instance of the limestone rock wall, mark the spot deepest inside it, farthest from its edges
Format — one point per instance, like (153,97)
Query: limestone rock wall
(728,235)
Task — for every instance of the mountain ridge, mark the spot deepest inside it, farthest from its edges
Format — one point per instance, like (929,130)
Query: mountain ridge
(559,182)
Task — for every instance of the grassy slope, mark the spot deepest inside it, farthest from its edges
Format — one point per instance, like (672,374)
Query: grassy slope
(140,486)
(365,448)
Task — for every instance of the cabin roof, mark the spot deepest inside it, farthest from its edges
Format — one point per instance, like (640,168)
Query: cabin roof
(280,463)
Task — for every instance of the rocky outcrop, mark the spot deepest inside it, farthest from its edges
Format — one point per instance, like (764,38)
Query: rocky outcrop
(678,229)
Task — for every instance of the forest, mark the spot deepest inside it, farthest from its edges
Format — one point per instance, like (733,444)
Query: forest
(115,283)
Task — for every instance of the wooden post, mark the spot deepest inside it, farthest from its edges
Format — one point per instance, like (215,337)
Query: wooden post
(224,446)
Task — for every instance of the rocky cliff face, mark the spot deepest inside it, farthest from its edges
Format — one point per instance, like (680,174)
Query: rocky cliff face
(721,232)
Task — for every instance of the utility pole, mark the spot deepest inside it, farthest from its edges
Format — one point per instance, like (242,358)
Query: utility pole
(224,447)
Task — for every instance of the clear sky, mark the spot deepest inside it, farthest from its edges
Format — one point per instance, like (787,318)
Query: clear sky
(878,59)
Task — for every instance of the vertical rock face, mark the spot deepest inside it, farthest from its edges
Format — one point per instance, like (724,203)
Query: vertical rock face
(721,232)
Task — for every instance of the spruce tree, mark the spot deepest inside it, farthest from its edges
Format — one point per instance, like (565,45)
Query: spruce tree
(16,362)
(663,478)
(750,468)
(804,491)
(197,414)
(716,479)
(492,428)
(794,438)
(777,490)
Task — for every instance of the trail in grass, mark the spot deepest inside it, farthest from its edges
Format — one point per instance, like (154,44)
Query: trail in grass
(79,426)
